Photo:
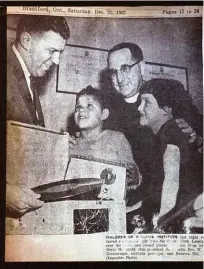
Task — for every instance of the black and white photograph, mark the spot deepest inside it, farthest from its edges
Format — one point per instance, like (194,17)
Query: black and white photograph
(104,124)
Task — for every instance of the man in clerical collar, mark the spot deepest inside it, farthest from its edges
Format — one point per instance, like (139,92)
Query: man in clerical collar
(126,68)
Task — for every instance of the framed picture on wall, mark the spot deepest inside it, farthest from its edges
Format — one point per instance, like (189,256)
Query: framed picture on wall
(157,70)
(81,66)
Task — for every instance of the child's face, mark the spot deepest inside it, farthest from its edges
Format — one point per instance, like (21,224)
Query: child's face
(88,112)
(150,112)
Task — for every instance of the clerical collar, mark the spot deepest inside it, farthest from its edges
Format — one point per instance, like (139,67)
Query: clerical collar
(132,99)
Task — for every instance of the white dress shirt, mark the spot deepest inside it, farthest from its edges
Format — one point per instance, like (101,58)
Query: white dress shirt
(24,68)
(25,71)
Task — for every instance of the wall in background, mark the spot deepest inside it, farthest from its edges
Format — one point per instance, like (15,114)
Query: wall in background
(168,41)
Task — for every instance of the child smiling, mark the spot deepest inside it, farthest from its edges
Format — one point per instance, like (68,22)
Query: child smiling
(90,113)
(172,170)
(96,142)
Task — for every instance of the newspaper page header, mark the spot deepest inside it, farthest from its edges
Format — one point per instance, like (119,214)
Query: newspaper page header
(112,12)
(81,59)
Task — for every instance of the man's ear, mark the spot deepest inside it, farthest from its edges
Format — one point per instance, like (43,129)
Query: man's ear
(105,114)
(25,40)
(142,67)
(167,111)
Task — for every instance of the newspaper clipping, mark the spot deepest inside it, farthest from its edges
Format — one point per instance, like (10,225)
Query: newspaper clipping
(104,134)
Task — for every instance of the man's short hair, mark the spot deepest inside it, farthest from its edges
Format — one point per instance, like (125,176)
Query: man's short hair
(135,50)
(41,23)
(97,94)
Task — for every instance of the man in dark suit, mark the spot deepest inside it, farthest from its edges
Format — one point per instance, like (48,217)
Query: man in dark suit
(126,69)
(39,43)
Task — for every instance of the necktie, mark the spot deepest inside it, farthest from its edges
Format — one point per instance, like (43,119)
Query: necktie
(36,103)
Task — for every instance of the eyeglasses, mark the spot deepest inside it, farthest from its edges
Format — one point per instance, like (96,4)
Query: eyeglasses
(125,69)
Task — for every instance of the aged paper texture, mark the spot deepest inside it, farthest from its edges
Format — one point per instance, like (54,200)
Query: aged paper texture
(113,172)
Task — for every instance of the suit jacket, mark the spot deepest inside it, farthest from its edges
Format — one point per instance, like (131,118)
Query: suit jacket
(20,105)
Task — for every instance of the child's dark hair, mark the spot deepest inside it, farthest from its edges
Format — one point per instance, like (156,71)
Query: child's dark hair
(170,93)
(164,91)
(97,94)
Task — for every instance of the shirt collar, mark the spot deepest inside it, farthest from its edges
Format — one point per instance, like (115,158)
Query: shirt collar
(132,99)
(24,67)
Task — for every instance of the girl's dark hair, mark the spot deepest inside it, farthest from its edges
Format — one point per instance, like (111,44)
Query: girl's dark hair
(170,93)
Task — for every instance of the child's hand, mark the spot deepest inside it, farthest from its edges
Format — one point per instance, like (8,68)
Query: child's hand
(73,140)
(133,176)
